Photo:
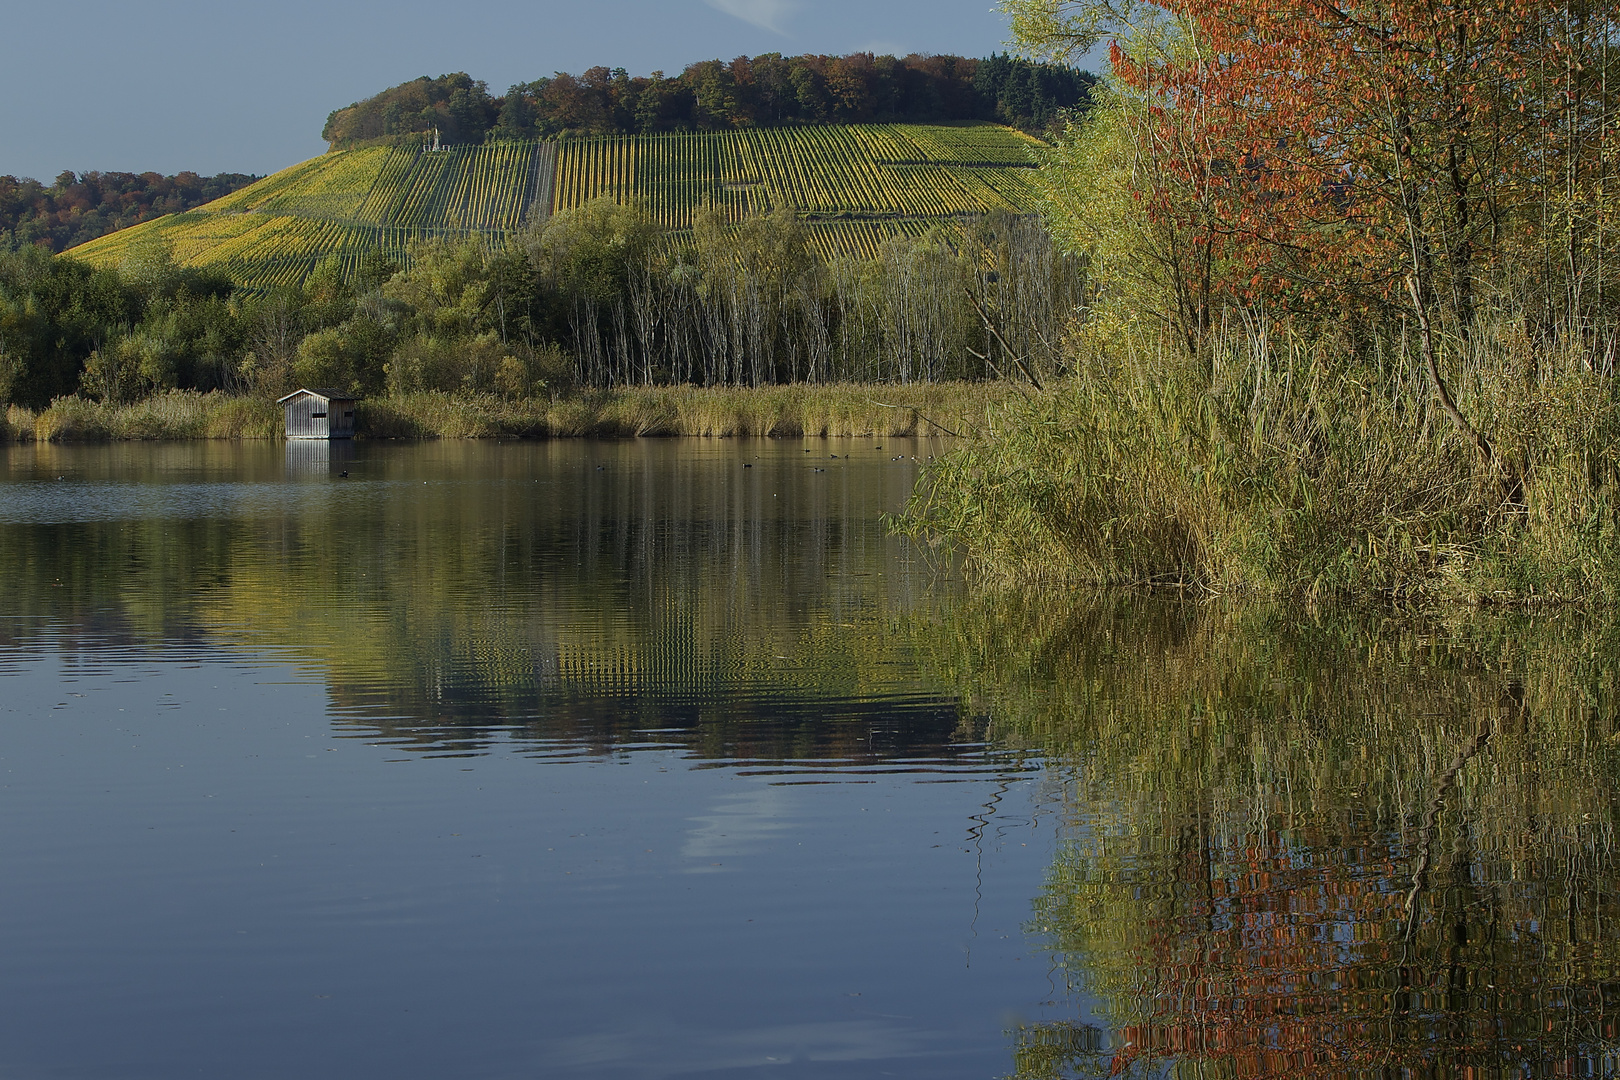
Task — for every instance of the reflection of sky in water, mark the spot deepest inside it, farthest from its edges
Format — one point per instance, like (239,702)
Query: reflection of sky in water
(68,501)
(679,1051)
(739,825)
(200,866)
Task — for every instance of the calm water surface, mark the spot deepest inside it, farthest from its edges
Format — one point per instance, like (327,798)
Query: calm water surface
(663,758)
(493,760)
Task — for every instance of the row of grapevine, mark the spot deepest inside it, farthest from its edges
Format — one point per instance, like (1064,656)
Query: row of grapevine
(876,170)
(335,189)
(542,182)
(975,144)
(857,185)
(591,168)
(419,196)
(492,188)
(474,187)
(827,170)
(675,175)
(1002,189)
(262,190)
(390,187)
(861,239)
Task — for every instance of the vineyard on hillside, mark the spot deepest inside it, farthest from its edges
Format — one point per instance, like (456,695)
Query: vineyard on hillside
(856,185)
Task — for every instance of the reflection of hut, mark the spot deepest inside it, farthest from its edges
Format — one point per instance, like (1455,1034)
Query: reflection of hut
(309,459)
(319,414)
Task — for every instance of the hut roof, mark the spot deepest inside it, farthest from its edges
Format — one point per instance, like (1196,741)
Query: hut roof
(318,391)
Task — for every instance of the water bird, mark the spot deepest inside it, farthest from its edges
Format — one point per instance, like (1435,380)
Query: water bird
(748,464)
(833,456)
(344,473)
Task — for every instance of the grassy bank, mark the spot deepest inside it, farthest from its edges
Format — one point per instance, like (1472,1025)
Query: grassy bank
(836,409)
(1280,465)
(176,414)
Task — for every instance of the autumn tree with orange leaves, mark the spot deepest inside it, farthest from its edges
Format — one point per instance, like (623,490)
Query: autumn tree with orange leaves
(1425,159)
(1348,146)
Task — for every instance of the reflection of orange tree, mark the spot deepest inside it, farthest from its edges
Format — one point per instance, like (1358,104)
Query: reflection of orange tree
(1316,847)
(1270,954)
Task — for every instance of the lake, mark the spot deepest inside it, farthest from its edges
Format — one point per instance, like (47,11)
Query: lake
(665,758)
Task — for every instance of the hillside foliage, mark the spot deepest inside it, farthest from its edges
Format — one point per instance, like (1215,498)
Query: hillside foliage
(75,209)
(713,95)
(856,186)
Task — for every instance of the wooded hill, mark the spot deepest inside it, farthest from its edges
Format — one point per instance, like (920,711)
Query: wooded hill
(77,208)
(854,185)
(713,95)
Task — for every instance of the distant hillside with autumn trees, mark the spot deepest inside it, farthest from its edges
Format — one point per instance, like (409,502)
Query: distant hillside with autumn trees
(77,208)
(713,95)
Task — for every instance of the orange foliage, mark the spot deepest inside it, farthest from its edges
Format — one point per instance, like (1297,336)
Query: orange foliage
(1330,149)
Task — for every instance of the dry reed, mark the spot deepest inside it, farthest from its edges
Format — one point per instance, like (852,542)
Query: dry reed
(827,410)
(173,414)
(17,425)
(1277,464)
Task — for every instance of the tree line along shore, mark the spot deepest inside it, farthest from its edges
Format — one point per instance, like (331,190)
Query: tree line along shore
(592,299)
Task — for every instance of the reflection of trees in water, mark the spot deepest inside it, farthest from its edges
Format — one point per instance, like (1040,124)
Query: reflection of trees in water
(1267,953)
(525,596)
(1303,848)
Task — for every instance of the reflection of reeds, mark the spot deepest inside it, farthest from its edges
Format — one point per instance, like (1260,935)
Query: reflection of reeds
(1164,700)
(1251,794)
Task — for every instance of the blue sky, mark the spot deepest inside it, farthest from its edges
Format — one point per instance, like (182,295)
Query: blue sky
(226,86)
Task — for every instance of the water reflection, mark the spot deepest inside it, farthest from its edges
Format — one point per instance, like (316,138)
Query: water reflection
(1292,843)
(316,459)
(1308,846)
(615,760)
(742,599)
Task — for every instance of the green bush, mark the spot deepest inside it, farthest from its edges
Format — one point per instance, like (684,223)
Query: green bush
(1288,465)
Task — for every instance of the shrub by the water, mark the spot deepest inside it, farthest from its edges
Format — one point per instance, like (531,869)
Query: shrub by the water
(1279,466)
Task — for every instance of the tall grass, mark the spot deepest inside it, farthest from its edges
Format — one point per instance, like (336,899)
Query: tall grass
(17,425)
(173,414)
(832,409)
(1284,465)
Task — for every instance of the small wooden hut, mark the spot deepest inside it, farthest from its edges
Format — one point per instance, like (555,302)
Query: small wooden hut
(319,414)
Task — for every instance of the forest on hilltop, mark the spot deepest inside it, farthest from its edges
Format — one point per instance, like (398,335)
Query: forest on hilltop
(78,208)
(714,95)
